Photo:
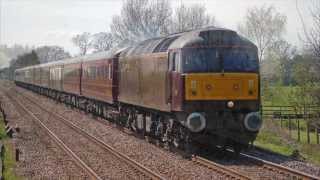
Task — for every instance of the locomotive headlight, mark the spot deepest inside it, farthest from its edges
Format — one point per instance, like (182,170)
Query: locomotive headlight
(196,122)
(230,104)
(253,121)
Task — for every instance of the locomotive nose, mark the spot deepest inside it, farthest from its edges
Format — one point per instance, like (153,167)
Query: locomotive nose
(196,122)
(253,121)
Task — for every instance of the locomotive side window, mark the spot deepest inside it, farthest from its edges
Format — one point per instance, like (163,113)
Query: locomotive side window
(177,61)
(174,61)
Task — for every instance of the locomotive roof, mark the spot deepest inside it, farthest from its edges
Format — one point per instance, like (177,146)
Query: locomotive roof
(90,57)
(210,36)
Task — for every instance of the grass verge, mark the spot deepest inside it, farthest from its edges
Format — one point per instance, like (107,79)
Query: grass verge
(267,140)
(8,155)
(272,138)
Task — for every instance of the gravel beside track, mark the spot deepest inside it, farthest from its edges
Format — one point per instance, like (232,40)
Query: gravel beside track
(167,164)
(257,168)
(40,157)
(286,161)
(102,162)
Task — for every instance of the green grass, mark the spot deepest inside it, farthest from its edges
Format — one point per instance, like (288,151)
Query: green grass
(279,95)
(3,134)
(9,163)
(279,140)
(311,152)
(303,136)
(8,155)
(268,140)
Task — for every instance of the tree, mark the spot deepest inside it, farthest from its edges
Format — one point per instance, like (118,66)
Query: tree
(264,26)
(283,52)
(83,42)
(312,35)
(11,52)
(193,17)
(51,53)
(4,59)
(102,41)
(27,59)
(140,20)
(304,75)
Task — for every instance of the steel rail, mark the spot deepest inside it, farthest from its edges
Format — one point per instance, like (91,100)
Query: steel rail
(59,142)
(281,169)
(228,172)
(232,173)
(149,173)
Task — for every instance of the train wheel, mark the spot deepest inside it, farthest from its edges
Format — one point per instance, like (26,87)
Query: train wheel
(177,139)
(237,148)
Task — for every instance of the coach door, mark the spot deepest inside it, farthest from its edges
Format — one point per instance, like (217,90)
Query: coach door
(175,81)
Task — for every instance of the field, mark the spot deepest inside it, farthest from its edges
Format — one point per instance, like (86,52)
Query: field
(282,140)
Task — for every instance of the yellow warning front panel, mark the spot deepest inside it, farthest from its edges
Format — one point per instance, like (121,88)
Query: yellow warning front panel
(221,86)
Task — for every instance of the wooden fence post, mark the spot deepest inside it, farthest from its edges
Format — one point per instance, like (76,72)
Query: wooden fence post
(308,133)
(298,129)
(317,134)
(289,125)
(280,118)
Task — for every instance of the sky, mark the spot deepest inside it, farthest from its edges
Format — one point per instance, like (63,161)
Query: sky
(54,22)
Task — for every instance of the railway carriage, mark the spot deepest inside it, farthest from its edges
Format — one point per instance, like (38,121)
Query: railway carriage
(197,86)
(37,75)
(71,76)
(45,75)
(99,78)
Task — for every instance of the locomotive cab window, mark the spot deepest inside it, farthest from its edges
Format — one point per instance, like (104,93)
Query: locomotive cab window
(219,60)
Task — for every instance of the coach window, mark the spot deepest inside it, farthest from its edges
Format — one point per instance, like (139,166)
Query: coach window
(106,71)
(93,72)
(99,72)
(110,71)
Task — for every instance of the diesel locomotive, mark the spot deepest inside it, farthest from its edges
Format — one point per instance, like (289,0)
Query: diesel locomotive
(200,86)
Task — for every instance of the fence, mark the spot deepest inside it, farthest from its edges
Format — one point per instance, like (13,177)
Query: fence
(302,119)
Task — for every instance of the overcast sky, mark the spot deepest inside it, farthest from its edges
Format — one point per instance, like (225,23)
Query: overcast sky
(54,22)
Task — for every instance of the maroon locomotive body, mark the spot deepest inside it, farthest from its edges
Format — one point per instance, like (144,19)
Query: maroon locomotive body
(200,85)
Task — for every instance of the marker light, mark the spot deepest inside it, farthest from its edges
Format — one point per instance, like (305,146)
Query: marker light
(230,104)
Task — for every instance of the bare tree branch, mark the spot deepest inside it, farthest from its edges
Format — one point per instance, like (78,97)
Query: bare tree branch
(51,53)
(102,41)
(140,20)
(193,17)
(264,26)
(83,42)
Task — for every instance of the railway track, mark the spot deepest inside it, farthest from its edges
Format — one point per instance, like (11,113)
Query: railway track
(146,173)
(224,172)
(58,141)
(278,169)
(230,173)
